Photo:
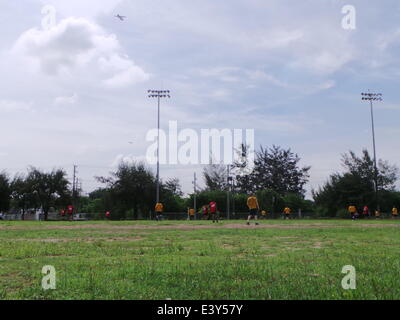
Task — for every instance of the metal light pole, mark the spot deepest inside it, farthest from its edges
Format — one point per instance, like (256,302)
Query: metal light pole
(373,97)
(158,94)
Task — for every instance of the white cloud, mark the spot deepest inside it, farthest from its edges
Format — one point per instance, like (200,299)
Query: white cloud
(15,106)
(387,106)
(258,75)
(77,47)
(130,159)
(66,100)
(278,39)
(388,39)
(88,8)
(226,74)
(221,94)
(237,74)
(325,62)
(124,72)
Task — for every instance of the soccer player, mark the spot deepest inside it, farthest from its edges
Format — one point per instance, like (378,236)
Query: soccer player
(252,203)
(214,211)
(70,211)
(353,211)
(159,211)
(108,215)
(395,212)
(287,212)
(192,213)
(366,212)
(205,212)
(264,214)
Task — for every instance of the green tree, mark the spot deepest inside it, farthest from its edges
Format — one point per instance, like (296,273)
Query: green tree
(206,196)
(171,196)
(22,196)
(270,201)
(242,170)
(215,177)
(5,192)
(49,188)
(278,169)
(173,186)
(363,167)
(355,186)
(275,169)
(132,190)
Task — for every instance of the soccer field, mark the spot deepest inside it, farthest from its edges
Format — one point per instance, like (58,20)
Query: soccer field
(197,260)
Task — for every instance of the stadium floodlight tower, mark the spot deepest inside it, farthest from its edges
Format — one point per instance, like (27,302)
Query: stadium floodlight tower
(369,96)
(159,94)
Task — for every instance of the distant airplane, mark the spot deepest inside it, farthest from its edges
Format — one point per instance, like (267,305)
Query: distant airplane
(120,17)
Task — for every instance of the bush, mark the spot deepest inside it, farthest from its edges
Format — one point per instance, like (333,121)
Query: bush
(321,212)
(342,213)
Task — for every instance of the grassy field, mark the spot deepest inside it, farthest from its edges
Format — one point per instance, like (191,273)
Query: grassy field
(196,260)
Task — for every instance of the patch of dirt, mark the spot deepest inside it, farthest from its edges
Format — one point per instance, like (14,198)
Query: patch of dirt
(315,275)
(266,248)
(286,238)
(121,228)
(87,239)
(228,246)
(318,245)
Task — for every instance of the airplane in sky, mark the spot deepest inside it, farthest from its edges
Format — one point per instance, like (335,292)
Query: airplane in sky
(122,18)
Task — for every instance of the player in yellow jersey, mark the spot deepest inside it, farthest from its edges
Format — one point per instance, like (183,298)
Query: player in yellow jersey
(353,211)
(287,212)
(264,214)
(159,211)
(192,214)
(252,203)
(395,212)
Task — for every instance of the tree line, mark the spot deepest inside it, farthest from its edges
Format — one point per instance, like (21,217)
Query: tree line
(277,179)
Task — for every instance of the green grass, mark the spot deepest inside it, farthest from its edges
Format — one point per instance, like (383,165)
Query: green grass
(117,260)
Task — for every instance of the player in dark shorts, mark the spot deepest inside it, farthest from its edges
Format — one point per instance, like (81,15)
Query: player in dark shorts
(206,213)
(159,211)
(214,211)
(252,203)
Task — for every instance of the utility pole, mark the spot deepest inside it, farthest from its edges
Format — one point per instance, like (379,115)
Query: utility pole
(74,187)
(195,195)
(74,182)
(78,186)
(158,94)
(233,197)
(374,97)
(228,214)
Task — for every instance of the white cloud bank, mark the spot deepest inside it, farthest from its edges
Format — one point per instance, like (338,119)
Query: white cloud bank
(76,47)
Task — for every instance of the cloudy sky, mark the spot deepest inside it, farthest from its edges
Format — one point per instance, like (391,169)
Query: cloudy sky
(74,92)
